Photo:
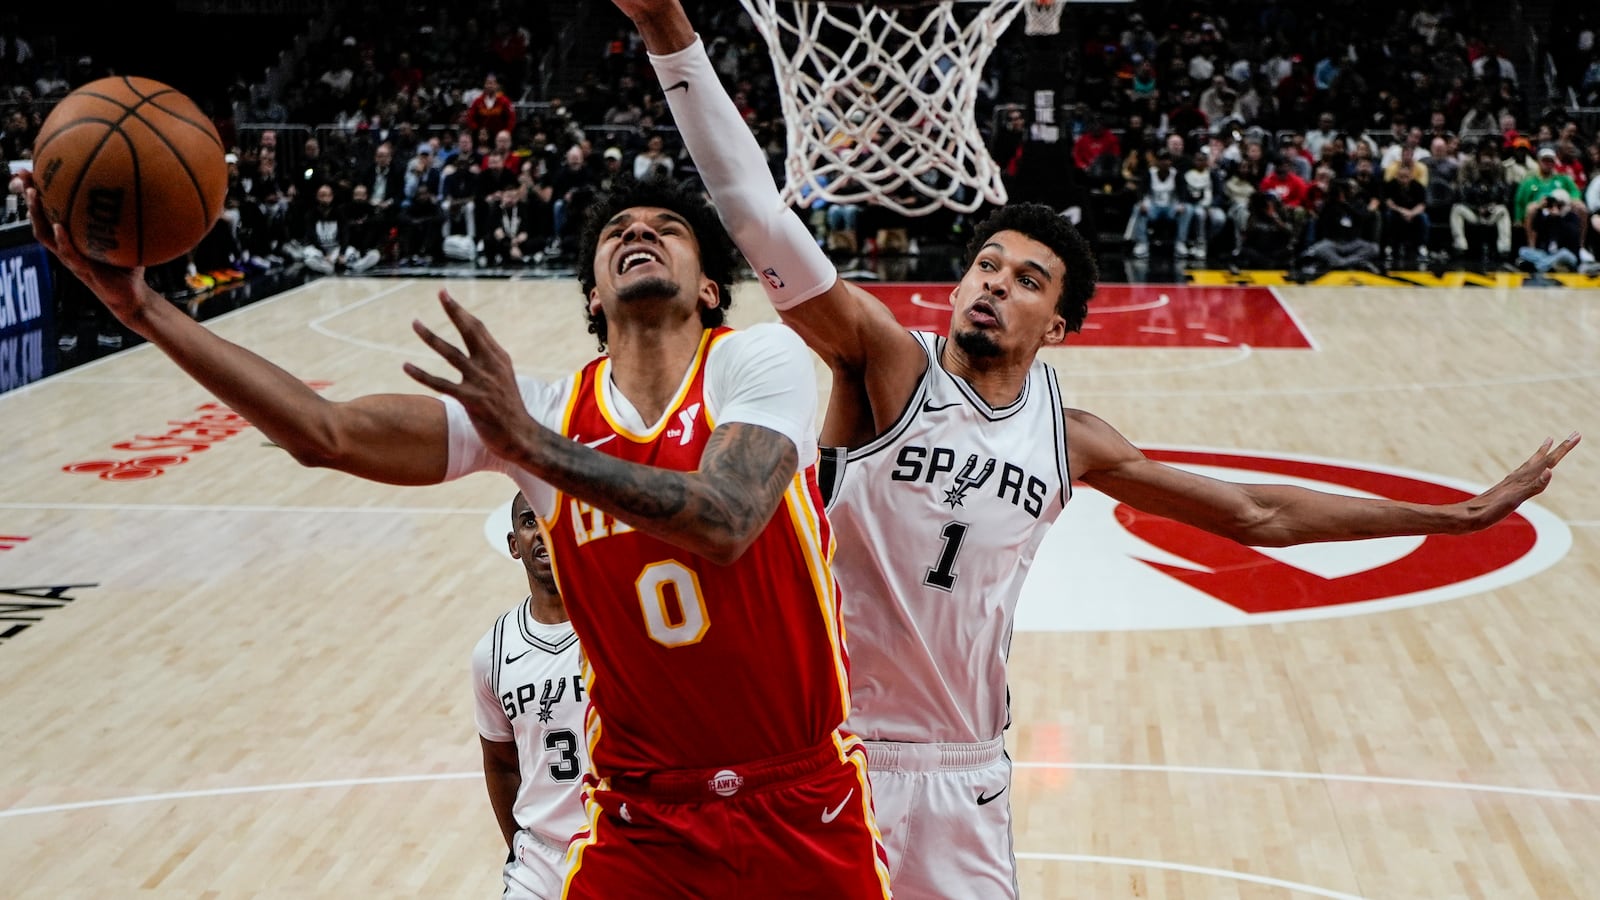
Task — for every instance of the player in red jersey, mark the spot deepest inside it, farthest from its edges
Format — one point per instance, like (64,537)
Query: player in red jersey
(675,479)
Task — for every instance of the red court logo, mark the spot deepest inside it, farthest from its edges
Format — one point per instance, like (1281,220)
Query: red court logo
(1125,570)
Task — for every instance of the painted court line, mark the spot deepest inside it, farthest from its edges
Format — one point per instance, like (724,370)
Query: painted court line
(1191,870)
(1109,767)
(1542,793)
(196,507)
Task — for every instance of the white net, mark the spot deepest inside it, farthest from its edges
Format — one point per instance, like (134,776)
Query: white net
(1042,16)
(878,100)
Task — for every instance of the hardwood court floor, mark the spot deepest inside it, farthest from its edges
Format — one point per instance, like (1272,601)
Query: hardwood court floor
(242,678)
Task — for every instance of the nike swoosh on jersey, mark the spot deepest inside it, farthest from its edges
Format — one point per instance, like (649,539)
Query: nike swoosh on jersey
(982,800)
(828,815)
(927,406)
(597,442)
(682,84)
(511,659)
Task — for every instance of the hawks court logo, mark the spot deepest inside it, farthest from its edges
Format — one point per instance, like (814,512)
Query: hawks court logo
(1105,567)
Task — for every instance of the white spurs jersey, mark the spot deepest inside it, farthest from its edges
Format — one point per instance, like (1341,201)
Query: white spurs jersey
(529,689)
(937,521)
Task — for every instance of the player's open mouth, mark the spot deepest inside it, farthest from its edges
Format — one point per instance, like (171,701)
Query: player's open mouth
(982,313)
(634,259)
(541,553)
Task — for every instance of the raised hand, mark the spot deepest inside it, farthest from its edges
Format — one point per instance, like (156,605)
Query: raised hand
(488,387)
(1524,482)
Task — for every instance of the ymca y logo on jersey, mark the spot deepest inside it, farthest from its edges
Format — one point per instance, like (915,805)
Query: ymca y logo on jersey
(1106,567)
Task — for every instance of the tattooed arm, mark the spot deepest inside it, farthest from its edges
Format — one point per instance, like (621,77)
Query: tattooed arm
(760,388)
(715,512)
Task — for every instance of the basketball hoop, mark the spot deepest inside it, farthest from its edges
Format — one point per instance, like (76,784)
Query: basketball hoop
(878,99)
(1042,17)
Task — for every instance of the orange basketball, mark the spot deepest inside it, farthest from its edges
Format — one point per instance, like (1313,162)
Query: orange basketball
(132,169)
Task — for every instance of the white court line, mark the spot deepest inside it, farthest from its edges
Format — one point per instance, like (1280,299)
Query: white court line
(1242,353)
(454,776)
(1191,870)
(1295,318)
(317,326)
(235,791)
(233,508)
(1356,389)
(75,370)
(1543,793)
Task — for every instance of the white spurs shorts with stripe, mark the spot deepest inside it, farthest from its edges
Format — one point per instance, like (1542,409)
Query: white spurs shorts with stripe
(944,811)
(536,871)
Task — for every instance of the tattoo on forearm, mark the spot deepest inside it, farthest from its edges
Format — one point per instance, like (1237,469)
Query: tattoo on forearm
(749,468)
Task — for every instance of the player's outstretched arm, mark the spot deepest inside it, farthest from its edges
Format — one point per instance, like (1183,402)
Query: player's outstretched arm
(1275,515)
(842,323)
(716,511)
(391,438)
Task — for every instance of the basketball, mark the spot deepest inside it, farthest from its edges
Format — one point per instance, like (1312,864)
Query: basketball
(132,169)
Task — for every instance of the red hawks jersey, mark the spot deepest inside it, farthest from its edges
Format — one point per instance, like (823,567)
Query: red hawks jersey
(692,664)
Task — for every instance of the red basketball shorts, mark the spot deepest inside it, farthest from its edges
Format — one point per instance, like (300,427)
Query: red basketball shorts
(793,826)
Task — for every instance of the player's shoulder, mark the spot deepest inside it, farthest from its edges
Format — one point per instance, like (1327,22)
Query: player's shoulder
(761,341)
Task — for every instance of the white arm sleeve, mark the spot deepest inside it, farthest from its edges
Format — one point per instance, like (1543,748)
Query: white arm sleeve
(763,375)
(772,238)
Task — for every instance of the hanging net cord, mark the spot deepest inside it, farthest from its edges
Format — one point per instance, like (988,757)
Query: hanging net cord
(878,101)
(1042,16)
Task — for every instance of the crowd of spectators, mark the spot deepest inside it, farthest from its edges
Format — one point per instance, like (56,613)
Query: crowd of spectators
(1267,134)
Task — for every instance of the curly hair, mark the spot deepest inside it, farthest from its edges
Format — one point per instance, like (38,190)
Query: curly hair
(718,256)
(1043,224)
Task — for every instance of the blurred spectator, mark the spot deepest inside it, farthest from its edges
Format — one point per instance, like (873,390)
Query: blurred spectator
(1340,230)
(364,232)
(653,161)
(569,190)
(1267,240)
(1405,219)
(1159,201)
(385,184)
(16,140)
(1553,235)
(490,111)
(509,229)
(1198,191)
(1483,196)
(1539,184)
(422,228)
(1098,153)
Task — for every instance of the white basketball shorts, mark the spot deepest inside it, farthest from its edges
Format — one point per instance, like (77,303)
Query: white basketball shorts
(944,811)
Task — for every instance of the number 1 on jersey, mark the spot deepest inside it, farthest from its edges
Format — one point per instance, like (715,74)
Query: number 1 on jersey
(943,575)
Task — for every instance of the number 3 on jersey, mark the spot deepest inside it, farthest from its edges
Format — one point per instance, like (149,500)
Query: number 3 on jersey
(943,574)
(674,611)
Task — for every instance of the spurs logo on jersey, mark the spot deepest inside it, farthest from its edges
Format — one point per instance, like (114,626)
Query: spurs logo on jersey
(929,464)
(530,690)
(943,514)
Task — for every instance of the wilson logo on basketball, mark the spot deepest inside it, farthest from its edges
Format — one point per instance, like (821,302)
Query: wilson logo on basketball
(162,452)
(1129,570)
(105,215)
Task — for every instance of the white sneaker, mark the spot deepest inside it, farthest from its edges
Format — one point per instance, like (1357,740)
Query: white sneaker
(366,261)
(1584,255)
(1181,250)
(1141,251)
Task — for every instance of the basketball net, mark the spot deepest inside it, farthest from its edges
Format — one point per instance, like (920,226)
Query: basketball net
(1042,17)
(878,100)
